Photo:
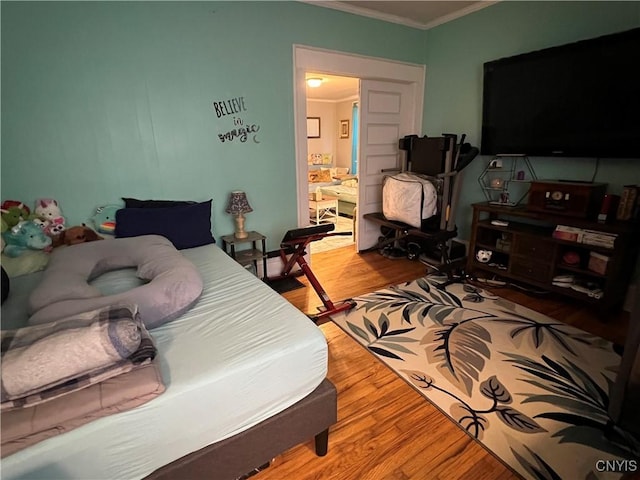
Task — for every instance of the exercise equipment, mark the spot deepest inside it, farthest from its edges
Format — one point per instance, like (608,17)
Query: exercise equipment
(292,251)
(441,160)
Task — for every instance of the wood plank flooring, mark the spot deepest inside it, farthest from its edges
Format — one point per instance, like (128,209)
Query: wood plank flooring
(387,430)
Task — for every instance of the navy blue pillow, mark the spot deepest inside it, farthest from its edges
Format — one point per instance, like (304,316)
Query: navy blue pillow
(135,203)
(185,226)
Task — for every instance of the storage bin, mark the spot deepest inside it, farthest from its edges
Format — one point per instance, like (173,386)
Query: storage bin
(598,263)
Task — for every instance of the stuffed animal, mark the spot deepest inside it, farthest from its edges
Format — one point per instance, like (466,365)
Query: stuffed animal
(77,234)
(55,227)
(48,209)
(483,256)
(104,219)
(14,215)
(43,224)
(15,203)
(25,236)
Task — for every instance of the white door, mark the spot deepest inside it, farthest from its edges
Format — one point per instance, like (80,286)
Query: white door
(387,113)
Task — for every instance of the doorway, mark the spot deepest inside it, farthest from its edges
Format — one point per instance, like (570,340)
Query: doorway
(391,107)
(332,146)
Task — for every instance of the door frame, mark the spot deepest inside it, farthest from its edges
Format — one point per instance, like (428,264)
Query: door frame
(333,62)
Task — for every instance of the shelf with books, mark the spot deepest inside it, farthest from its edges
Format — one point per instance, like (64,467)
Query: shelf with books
(628,207)
(577,257)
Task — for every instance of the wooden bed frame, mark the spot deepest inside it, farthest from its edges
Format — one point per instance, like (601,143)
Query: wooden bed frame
(233,457)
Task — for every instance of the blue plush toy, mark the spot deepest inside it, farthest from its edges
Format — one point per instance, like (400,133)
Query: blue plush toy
(104,219)
(25,236)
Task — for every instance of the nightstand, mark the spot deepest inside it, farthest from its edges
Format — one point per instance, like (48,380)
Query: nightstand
(248,256)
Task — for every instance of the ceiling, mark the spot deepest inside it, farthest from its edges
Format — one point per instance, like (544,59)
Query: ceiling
(417,14)
(333,88)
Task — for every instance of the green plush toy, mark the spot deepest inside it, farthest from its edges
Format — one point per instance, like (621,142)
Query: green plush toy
(14,215)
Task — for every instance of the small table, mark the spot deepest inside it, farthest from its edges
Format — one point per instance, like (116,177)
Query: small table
(248,256)
(326,210)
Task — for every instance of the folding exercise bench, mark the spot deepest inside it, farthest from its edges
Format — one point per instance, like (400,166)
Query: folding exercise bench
(294,244)
(442,160)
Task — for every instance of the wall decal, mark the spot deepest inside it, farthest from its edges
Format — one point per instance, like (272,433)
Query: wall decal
(234,106)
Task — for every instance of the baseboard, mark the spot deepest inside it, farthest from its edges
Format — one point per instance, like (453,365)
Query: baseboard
(274,265)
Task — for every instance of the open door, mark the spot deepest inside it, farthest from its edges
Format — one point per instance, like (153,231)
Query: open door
(387,113)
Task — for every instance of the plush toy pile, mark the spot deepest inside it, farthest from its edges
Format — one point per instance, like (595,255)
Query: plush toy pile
(43,228)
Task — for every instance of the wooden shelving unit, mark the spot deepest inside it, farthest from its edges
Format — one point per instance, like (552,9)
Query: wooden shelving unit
(525,251)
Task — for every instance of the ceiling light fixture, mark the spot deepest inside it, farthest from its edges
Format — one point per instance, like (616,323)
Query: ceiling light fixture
(314,82)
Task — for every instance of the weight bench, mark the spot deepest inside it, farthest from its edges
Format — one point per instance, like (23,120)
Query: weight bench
(293,246)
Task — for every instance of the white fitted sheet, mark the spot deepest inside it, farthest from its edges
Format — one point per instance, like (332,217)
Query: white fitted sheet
(239,356)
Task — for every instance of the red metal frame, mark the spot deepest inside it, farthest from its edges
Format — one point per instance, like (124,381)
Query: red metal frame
(297,249)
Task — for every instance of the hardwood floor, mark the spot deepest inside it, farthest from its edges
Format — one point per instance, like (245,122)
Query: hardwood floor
(385,429)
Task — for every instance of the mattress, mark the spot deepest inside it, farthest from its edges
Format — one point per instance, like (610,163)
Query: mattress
(343,192)
(239,356)
(316,185)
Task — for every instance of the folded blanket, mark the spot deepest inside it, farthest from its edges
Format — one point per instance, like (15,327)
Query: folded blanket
(23,427)
(42,362)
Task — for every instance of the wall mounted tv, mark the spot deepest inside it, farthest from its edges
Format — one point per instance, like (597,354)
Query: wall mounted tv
(575,100)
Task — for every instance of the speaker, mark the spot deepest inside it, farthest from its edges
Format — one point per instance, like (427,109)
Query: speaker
(573,199)
(609,208)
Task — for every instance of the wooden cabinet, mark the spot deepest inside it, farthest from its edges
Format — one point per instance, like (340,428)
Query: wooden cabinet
(525,250)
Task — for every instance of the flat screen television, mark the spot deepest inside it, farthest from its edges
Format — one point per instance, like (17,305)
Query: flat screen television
(575,100)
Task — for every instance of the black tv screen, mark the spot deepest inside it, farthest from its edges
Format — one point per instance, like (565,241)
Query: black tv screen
(575,100)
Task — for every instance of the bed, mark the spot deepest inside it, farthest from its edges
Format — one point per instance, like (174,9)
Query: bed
(346,193)
(336,182)
(245,376)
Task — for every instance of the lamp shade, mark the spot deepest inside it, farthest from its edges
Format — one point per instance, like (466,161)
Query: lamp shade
(238,203)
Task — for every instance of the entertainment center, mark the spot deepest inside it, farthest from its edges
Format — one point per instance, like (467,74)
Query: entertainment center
(524,249)
(575,100)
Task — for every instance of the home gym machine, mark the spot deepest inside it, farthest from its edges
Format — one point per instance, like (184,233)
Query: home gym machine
(441,160)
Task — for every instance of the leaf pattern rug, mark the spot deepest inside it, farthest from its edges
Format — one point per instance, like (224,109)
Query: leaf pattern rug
(531,389)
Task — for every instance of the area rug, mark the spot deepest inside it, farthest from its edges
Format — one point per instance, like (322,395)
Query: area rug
(337,241)
(530,389)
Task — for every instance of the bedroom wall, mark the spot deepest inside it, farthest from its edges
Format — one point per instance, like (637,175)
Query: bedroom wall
(108,99)
(343,145)
(455,54)
(327,141)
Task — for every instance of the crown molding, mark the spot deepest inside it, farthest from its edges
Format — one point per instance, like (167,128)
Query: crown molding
(460,13)
(387,17)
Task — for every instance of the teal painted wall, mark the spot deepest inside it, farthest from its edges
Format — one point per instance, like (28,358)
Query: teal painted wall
(455,54)
(108,99)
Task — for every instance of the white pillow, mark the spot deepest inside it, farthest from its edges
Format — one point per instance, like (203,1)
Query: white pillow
(336,170)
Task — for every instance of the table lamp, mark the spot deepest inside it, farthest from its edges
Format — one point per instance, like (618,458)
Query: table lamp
(239,205)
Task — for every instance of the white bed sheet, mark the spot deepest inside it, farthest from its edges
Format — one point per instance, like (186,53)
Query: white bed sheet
(239,356)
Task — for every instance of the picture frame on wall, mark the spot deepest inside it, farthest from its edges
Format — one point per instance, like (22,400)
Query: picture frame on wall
(313,127)
(344,128)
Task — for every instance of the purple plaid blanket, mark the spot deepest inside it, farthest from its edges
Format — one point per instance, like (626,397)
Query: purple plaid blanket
(45,361)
